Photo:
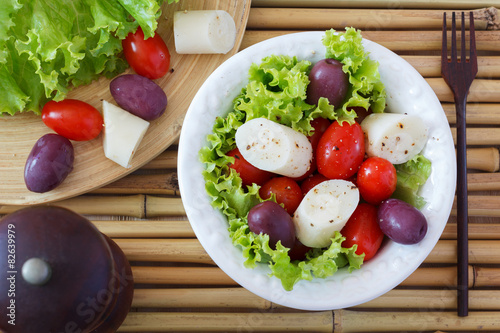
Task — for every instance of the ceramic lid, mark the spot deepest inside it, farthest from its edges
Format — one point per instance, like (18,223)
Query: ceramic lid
(57,274)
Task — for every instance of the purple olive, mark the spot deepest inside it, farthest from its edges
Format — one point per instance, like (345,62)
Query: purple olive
(49,163)
(327,79)
(139,96)
(401,222)
(270,218)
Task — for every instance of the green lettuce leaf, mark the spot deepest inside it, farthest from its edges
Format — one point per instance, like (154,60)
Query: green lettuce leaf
(366,89)
(48,47)
(412,175)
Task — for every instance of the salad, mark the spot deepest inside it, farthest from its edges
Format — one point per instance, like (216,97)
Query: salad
(278,92)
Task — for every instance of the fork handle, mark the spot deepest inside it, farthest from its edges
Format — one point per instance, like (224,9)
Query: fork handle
(462,211)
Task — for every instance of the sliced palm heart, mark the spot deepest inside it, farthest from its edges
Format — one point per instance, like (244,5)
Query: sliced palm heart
(324,210)
(123,132)
(274,147)
(395,137)
(204,31)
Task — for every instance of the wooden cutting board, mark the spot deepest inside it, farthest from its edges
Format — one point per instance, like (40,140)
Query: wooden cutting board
(92,169)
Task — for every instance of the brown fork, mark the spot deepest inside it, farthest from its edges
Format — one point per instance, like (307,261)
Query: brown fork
(459,74)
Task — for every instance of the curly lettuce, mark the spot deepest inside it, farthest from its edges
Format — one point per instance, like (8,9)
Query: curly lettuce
(366,90)
(412,175)
(48,47)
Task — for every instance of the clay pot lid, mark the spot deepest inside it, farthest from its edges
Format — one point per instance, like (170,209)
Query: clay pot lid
(68,272)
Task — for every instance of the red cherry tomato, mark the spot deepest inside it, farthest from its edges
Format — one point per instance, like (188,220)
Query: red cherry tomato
(73,119)
(248,173)
(308,183)
(150,57)
(376,180)
(286,190)
(340,150)
(320,125)
(362,228)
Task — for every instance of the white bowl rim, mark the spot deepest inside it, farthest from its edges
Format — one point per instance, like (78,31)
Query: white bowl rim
(395,262)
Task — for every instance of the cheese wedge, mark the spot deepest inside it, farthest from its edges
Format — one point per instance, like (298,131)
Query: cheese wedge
(274,147)
(324,210)
(123,132)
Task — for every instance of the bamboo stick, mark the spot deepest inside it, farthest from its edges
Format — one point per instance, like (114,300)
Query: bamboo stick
(484,159)
(442,276)
(480,136)
(205,276)
(143,184)
(228,322)
(199,298)
(477,113)
(164,250)
(166,160)
(146,228)
(387,4)
(139,206)
(237,297)
(446,277)
(481,205)
(430,65)
(394,40)
(98,205)
(366,321)
(476,231)
(365,19)
(190,251)
(483,181)
(481,90)
(480,252)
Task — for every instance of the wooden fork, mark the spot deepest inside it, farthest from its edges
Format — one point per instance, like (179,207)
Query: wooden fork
(459,74)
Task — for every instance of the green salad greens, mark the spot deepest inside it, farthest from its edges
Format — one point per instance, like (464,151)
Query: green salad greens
(412,175)
(47,47)
(276,90)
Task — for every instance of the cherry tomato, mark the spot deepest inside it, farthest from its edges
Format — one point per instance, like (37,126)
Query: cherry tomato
(150,57)
(308,183)
(376,180)
(73,119)
(286,190)
(320,125)
(340,150)
(248,173)
(362,228)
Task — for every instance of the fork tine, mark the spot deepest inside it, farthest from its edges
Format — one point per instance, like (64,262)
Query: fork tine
(444,46)
(472,32)
(463,56)
(453,39)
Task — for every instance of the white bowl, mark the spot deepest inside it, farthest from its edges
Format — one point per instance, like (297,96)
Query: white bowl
(407,92)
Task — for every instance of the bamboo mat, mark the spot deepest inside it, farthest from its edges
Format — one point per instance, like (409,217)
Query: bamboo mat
(179,289)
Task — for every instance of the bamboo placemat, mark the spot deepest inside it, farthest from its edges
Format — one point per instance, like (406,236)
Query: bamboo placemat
(179,289)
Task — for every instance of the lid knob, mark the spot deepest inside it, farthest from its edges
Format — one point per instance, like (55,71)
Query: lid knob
(36,271)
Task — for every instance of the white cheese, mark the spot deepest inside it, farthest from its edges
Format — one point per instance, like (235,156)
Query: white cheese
(274,147)
(123,132)
(204,31)
(324,210)
(395,137)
